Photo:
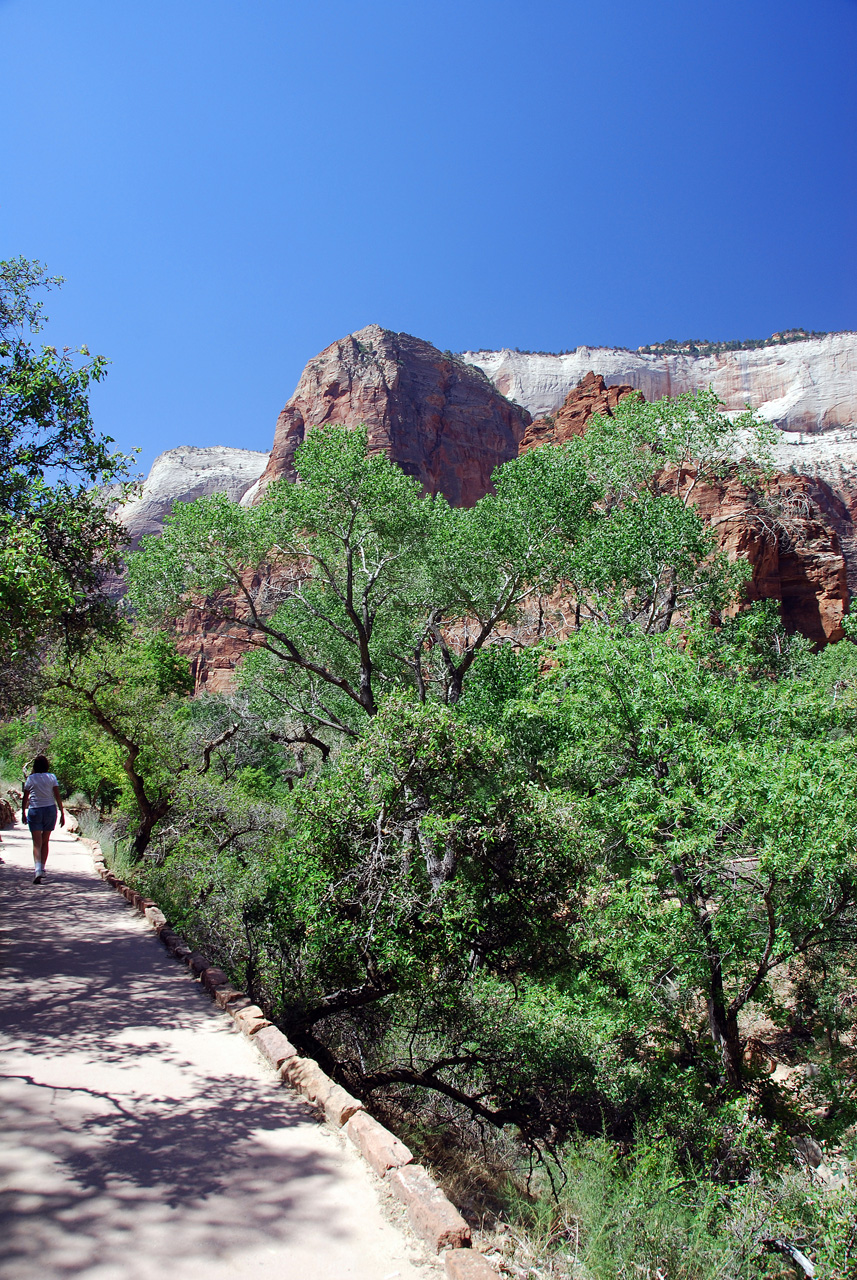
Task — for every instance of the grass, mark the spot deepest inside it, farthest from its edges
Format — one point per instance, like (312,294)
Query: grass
(94,827)
(641,1216)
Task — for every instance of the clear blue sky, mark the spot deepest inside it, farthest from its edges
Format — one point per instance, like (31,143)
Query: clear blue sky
(230,185)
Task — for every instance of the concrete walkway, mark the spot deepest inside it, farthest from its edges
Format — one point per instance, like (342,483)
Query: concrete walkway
(141,1135)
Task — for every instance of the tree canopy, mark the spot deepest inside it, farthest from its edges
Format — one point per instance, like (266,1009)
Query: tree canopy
(58,538)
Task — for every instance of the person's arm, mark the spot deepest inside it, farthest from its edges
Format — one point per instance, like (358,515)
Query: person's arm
(58,799)
(25,800)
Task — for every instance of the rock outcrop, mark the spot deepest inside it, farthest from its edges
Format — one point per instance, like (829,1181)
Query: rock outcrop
(795,553)
(438,417)
(180,475)
(209,639)
(590,396)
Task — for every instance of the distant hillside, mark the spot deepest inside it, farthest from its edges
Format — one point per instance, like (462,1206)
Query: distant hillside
(702,346)
(689,347)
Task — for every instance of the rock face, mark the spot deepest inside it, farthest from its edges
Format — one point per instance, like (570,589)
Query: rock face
(808,386)
(207,637)
(801,564)
(437,416)
(589,397)
(180,475)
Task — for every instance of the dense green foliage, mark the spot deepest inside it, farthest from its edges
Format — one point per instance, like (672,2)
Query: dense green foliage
(495,839)
(57,538)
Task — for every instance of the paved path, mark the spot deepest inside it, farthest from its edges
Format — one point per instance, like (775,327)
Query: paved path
(141,1135)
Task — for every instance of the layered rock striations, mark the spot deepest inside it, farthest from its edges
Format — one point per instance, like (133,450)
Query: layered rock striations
(791,544)
(436,416)
(806,386)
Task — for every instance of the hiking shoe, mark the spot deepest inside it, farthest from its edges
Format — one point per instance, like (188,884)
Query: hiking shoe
(37,879)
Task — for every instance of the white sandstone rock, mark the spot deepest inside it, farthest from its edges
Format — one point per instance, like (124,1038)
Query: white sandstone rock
(807,388)
(180,475)
(801,386)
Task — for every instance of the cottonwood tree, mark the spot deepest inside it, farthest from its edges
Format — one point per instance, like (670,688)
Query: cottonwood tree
(351,583)
(59,482)
(366,585)
(649,554)
(724,804)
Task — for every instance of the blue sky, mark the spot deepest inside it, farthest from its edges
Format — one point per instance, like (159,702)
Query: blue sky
(229,187)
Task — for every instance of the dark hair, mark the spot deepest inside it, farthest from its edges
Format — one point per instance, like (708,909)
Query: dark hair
(41,765)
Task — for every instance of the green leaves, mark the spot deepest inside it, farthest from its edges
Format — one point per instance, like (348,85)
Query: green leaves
(351,582)
(722,809)
(672,444)
(58,539)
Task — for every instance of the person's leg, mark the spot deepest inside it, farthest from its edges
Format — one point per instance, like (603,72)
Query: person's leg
(37,850)
(46,839)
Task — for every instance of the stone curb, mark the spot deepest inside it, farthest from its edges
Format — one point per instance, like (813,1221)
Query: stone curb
(432,1215)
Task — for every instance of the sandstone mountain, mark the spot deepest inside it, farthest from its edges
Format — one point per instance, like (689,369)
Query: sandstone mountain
(807,388)
(438,417)
(446,420)
(180,475)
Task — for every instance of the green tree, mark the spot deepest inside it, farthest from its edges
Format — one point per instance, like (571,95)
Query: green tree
(650,554)
(721,802)
(58,539)
(130,687)
(350,582)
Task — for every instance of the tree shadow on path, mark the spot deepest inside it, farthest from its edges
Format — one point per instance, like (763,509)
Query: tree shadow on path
(140,1130)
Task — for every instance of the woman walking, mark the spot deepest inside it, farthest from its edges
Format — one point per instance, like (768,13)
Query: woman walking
(39,810)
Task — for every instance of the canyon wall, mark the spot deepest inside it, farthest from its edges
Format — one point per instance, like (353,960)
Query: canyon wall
(806,386)
(438,417)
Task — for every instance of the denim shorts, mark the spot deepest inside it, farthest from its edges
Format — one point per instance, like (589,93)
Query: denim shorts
(42,819)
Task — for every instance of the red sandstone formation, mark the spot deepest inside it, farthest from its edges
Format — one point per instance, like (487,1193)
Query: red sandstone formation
(443,423)
(589,397)
(440,419)
(796,557)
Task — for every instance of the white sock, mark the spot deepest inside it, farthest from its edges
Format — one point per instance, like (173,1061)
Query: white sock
(38,868)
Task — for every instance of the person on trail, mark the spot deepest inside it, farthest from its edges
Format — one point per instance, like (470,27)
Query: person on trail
(39,810)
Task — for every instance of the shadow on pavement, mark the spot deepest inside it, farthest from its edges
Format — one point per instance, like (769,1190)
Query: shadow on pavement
(132,1111)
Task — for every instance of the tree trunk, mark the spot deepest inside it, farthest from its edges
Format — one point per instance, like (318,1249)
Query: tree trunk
(149,820)
(722,1024)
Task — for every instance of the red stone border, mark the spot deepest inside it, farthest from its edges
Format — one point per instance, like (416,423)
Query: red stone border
(433,1217)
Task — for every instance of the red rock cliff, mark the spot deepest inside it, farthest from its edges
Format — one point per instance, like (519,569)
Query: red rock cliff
(798,561)
(589,397)
(440,419)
